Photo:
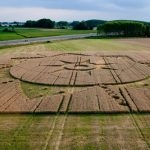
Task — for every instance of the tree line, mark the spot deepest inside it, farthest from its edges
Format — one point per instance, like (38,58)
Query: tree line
(42,23)
(46,23)
(106,28)
(76,25)
(124,28)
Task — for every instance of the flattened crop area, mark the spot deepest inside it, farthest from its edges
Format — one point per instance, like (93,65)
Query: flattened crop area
(80,70)
(97,76)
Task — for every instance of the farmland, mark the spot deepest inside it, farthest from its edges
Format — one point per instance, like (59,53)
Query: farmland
(102,72)
(75,132)
(76,94)
(21,33)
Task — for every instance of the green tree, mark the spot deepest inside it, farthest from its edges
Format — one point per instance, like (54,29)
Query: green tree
(62,24)
(74,23)
(42,23)
(147,32)
(81,26)
(94,23)
(45,23)
(123,28)
(30,23)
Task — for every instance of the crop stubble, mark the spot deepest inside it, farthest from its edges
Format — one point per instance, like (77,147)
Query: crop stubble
(101,72)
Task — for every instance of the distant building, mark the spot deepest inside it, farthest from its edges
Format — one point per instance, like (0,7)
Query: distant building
(4,24)
(95,28)
(7,24)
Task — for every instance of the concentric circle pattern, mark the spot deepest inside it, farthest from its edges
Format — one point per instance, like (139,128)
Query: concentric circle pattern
(80,70)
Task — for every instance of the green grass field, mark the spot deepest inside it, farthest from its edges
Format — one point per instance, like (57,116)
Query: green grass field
(86,45)
(82,45)
(96,45)
(22,33)
(80,132)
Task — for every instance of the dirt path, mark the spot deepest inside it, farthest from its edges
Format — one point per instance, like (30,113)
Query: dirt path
(58,141)
(52,127)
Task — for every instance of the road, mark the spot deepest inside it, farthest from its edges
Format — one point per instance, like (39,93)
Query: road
(45,39)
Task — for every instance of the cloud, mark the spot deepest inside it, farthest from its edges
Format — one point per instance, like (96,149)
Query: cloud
(34,13)
(134,4)
(74,9)
(78,4)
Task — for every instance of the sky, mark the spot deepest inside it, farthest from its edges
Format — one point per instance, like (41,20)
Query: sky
(70,10)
